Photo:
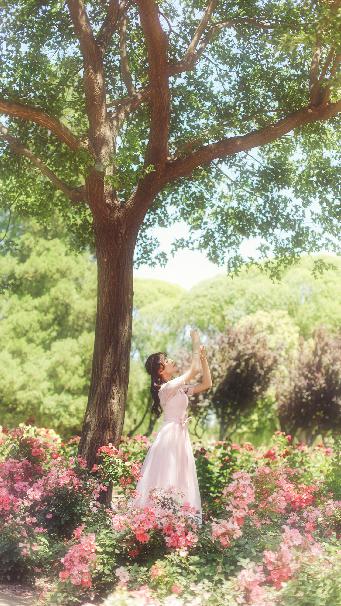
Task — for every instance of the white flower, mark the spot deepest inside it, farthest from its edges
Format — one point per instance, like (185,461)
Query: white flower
(183,552)
(122,574)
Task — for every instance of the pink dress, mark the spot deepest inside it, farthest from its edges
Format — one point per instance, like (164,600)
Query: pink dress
(169,461)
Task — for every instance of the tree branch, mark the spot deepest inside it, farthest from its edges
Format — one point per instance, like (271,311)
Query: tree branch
(100,135)
(325,95)
(314,83)
(320,90)
(327,63)
(199,31)
(125,71)
(183,167)
(126,105)
(194,52)
(76,194)
(335,65)
(34,114)
(109,24)
(157,46)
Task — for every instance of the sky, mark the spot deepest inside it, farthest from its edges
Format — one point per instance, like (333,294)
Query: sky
(186,267)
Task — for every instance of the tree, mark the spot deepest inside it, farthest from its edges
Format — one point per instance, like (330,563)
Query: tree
(310,300)
(312,401)
(47,311)
(241,367)
(121,106)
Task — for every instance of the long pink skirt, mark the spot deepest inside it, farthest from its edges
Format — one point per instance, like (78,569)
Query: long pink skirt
(170,463)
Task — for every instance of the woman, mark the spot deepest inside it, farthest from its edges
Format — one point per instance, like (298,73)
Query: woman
(169,461)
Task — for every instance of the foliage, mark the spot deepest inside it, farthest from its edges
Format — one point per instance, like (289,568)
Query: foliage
(282,336)
(47,331)
(312,401)
(215,465)
(241,368)
(309,300)
(282,194)
(270,525)
(24,552)
(47,314)
(317,583)
(46,371)
(137,414)
(333,476)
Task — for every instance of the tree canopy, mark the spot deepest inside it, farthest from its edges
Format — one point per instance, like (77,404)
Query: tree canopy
(310,300)
(251,117)
(311,401)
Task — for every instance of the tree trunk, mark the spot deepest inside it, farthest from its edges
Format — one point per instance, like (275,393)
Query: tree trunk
(104,416)
(223,425)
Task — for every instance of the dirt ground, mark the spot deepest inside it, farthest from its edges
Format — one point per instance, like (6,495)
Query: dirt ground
(23,595)
(18,596)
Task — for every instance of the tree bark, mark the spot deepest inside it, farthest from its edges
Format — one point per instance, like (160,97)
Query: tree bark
(104,416)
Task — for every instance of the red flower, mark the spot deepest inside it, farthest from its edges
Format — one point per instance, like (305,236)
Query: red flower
(133,553)
(270,454)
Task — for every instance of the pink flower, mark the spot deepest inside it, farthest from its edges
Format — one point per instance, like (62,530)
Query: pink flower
(118,522)
(176,589)
(156,571)
(77,533)
(37,452)
(142,536)
(142,439)
(78,561)
(225,531)
(250,580)
(135,470)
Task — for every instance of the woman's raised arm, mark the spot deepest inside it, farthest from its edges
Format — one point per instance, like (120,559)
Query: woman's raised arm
(206,382)
(195,366)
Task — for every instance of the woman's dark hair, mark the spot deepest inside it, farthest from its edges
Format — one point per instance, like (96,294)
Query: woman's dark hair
(154,363)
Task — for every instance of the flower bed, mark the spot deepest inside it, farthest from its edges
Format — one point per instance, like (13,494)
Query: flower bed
(270,534)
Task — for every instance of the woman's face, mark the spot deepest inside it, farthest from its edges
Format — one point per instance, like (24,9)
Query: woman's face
(170,366)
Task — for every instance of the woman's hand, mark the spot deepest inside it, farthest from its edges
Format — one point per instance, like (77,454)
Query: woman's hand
(202,352)
(195,335)
(196,365)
